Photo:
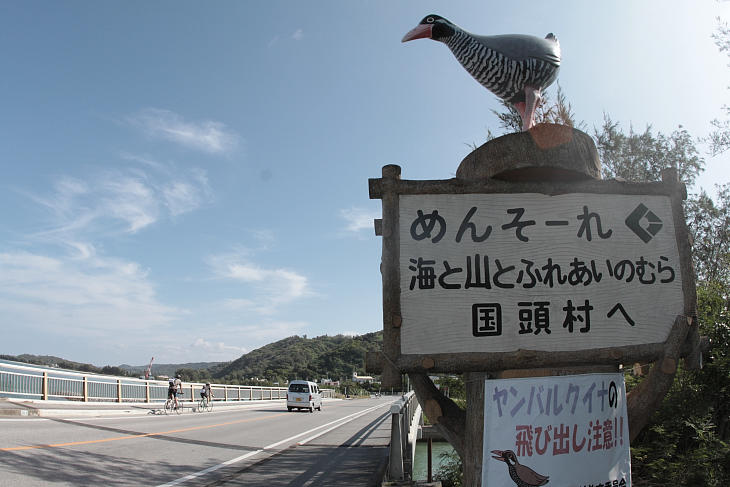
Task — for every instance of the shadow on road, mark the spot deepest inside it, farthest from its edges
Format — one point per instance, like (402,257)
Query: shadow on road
(348,463)
(75,467)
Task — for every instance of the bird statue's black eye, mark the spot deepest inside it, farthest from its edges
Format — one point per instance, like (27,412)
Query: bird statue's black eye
(429,20)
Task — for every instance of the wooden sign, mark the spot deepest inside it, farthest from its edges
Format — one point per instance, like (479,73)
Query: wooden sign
(503,272)
(484,275)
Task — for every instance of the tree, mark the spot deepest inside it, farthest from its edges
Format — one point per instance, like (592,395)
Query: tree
(720,137)
(709,223)
(643,156)
(687,441)
(560,112)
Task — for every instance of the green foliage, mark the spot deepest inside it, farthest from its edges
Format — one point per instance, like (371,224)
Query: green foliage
(687,441)
(709,222)
(452,386)
(641,156)
(57,362)
(720,137)
(560,112)
(450,473)
(335,357)
(170,369)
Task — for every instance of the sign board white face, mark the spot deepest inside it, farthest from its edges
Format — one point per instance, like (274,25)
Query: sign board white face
(502,272)
(570,431)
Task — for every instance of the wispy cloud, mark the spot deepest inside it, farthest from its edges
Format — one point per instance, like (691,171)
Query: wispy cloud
(217,349)
(128,199)
(269,288)
(183,196)
(358,219)
(124,201)
(206,135)
(84,295)
(268,331)
(298,35)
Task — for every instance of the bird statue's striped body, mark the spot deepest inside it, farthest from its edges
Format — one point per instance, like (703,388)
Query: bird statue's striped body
(514,67)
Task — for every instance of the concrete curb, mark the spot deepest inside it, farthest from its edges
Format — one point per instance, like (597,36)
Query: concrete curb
(35,408)
(19,412)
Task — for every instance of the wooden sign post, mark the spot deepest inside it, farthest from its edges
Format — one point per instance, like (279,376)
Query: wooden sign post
(524,261)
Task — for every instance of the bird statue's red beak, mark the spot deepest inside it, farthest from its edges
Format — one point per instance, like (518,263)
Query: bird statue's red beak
(419,32)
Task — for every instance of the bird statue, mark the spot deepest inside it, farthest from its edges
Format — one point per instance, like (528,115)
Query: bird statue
(521,475)
(514,67)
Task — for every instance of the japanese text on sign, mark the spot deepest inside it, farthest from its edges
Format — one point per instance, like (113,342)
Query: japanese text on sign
(573,429)
(498,272)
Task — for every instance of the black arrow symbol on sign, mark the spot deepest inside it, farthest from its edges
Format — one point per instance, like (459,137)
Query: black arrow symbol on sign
(634,219)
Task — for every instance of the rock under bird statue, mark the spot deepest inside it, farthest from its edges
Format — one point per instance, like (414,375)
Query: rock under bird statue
(521,475)
(514,67)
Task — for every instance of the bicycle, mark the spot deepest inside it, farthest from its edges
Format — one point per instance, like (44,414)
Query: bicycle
(205,404)
(170,407)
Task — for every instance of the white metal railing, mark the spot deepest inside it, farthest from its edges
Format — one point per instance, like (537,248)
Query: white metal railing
(405,419)
(37,383)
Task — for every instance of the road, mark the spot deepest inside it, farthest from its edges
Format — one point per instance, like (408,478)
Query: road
(344,444)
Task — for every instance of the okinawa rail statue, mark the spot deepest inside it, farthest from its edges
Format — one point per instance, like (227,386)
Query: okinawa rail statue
(536,280)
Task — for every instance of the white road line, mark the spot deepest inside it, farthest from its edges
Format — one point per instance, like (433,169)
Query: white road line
(341,421)
(354,416)
(210,469)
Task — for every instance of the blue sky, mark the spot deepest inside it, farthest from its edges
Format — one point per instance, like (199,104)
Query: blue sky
(188,180)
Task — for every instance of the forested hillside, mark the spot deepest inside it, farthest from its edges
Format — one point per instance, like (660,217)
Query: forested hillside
(335,357)
(58,362)
(168,369)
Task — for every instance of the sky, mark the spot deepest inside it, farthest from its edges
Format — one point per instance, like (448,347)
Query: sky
(189,180)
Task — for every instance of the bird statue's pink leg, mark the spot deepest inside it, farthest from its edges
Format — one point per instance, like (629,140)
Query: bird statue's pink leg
(520,107)
(532,99)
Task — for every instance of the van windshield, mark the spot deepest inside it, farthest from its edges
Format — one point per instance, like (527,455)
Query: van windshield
(298,388)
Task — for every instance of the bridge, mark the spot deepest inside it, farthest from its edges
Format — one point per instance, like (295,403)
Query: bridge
(112,434)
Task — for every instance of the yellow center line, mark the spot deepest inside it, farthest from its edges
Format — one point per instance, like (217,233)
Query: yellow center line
(141,435)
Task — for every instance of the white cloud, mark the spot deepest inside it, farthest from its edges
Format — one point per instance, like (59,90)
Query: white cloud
(130,200)
(120,201)
(183,196)
(206,348)
(359,219)
(271,288)
(239,303)
(207,135)
(269,331)
(83,297)
(298,35)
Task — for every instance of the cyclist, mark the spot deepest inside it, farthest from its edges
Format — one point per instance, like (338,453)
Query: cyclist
(171,391)
(206,392)
(177,391)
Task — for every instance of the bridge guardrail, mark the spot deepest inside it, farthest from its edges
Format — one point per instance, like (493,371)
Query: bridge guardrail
(37,383)
(405,419)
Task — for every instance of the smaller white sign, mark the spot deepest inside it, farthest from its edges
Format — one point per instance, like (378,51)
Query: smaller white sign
(568,431)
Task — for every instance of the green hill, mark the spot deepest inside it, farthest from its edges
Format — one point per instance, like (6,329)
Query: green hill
(168,369)
(333,357)
(61,363)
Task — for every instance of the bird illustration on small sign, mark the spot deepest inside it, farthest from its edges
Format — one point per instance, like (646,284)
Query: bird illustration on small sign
(514,67)
(521,475)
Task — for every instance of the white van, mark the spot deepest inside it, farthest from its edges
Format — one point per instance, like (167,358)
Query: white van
(303,394)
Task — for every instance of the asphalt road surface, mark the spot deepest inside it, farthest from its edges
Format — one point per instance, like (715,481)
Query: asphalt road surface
(344,444)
